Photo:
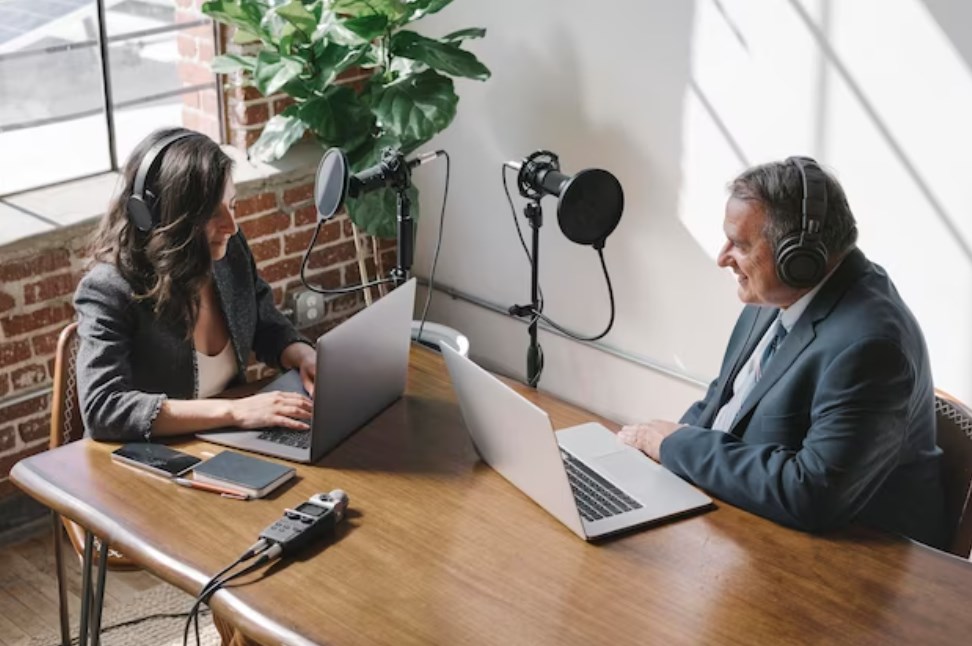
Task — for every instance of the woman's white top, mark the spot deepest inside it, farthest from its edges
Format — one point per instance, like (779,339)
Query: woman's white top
(215,373)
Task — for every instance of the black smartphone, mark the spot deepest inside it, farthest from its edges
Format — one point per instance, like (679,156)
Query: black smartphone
(156,458)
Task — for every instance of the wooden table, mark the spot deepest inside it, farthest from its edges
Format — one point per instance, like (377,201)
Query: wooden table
(439,549)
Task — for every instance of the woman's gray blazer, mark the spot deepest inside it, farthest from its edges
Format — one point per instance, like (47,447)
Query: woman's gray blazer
(129,362)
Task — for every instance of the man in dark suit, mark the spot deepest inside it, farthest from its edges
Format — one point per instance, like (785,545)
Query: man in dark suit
(823,412)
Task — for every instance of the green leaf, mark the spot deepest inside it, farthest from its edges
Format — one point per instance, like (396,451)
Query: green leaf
(227,63)
(437,55)
(277,27)
(463,34)
(273,71)
(297,15)
(278,136)
(395,10)
(368,27)
(316,8)
(243,37)
(245,15)
(376,212)
(297,89)
(331,59)
(332,28)
(420,8)
(286,45)
(338,118)
(415,108)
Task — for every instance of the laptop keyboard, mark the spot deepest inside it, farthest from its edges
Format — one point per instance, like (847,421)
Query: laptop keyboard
(280,435)
(596,497)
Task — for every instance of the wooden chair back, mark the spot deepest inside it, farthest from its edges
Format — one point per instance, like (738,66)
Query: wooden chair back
(955,439)
(66,426)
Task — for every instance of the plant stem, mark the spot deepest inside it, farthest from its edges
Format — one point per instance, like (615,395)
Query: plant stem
(388,56)
(360,256)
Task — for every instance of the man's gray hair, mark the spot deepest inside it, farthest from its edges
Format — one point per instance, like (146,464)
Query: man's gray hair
(779,187)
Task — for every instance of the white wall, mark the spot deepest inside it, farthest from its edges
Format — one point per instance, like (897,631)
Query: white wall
(675,98)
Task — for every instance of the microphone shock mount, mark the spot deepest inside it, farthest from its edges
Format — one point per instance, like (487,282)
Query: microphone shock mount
(528,178)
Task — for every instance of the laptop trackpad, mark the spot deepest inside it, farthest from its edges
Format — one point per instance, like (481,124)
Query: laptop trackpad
(624,466)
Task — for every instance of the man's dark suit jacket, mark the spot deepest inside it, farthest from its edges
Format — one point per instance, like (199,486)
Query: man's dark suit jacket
(841,426)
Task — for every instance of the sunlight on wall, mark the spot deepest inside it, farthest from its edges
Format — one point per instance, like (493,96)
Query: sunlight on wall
(748,101)
(880,95)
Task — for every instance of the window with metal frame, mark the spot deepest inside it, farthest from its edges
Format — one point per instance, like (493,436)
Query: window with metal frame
(83,81)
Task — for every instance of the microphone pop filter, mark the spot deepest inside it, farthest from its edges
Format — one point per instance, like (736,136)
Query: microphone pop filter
(331,183)
(590,206)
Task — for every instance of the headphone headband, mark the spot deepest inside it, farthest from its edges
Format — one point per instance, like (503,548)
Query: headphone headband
(141,204)
(814,204)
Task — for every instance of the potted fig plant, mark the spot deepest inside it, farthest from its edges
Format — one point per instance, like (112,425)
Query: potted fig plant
(301,48)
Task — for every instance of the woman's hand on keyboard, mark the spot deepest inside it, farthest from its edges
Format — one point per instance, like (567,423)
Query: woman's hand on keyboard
(282,409)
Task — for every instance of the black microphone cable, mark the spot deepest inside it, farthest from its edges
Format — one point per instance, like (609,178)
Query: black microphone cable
(438,246)
(260,548)
(575,335)
(337,290)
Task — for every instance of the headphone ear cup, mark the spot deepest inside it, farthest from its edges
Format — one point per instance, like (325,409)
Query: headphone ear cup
(800,262)
(141,204)
(140,213)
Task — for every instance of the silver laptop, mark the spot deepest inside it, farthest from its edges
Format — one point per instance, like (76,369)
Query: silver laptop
(584,476)
(362,366)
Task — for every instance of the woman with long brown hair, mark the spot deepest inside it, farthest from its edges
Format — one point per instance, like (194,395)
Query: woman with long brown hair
(172,305)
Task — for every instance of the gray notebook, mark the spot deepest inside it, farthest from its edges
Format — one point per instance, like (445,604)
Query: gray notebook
(251,475)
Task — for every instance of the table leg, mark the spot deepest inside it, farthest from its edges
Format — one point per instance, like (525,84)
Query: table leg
(99,595)
(61,580)
(86,587)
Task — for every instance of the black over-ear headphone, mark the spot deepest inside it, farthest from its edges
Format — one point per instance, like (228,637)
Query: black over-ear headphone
(801,256)
(142,204)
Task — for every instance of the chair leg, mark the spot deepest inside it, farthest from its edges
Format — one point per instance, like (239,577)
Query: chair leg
(61,580)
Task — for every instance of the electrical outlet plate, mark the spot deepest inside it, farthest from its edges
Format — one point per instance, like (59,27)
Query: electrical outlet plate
(309,308)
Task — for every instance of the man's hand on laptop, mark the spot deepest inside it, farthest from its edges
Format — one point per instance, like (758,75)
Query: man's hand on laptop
(649,436)
(287,410)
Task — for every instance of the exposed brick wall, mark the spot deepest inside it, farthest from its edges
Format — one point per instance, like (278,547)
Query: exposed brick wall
(247,110)
(36,283)
(200,110)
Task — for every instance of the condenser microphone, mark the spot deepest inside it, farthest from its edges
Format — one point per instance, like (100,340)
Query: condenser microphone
(334,182)
(590,203)
(393,168)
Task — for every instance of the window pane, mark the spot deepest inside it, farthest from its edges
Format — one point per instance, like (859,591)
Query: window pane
(49,71)
(159,79)
(134,122)
(52,122)
(137,15)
